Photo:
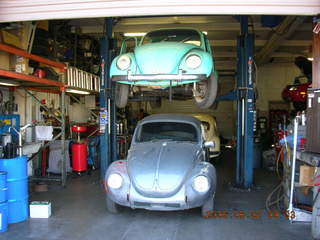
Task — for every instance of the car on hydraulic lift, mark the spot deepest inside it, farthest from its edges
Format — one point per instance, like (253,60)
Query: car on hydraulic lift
(164,59)
(297,94)
(167,167)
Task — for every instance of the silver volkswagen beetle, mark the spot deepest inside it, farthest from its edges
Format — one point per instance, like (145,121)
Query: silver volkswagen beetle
(167,167)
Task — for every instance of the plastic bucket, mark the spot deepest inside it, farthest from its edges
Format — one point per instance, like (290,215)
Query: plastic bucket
(3,187)
(17,180)
(3,217)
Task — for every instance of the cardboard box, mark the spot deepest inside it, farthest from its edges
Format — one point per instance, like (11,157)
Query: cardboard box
(40,209)
(10,38)
(22,65)
(307,175)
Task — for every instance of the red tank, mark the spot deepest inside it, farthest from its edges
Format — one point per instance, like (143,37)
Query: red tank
(79,157)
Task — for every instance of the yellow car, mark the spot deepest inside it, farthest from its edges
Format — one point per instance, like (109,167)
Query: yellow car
(210,132)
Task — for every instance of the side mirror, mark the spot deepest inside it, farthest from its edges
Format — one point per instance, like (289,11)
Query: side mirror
(209,144)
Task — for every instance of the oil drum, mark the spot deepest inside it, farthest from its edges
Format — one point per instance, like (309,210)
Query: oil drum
(79,157)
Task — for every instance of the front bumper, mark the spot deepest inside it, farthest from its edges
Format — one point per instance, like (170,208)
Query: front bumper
(214,154)
(180,77)
(178,201)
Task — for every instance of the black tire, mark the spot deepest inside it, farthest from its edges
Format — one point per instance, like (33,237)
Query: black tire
(121,95)
(207,207)
(156,103)
(315,227)
(208,92)
(299,106)
(111,206)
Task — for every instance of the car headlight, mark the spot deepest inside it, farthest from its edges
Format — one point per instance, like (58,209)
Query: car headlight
(123,62)
(201,184)
(115,181)
(193,61)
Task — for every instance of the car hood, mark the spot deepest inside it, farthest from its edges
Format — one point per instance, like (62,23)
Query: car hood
(158,169)
(162,57)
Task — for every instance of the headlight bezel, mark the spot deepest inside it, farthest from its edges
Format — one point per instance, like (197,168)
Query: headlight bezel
(115,181)
(196,183)
(123,65)
(191,59)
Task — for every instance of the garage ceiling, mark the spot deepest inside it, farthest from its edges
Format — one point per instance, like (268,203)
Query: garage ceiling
(291,38)
(24,10)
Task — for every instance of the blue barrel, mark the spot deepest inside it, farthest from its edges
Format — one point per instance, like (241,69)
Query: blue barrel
(4,216)
(17,179)
(3,187)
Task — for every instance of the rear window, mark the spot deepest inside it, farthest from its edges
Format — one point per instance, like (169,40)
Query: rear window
(167,131)
(173,35)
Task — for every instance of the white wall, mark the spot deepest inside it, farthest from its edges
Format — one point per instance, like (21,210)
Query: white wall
(272,78)
(29,109)
(225,114)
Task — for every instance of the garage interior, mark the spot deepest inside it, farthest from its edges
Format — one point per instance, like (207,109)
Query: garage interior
(61,129)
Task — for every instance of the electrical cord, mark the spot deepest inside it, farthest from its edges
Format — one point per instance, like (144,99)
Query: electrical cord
(278,191)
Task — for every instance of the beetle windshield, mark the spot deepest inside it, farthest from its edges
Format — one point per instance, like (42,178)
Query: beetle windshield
(173,35)
(167,130)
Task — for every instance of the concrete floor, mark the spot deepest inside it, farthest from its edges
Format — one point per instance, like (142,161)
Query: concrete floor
(79,213)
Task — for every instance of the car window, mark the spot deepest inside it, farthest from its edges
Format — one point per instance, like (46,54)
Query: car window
(205,125)
(167,130)
(173,35)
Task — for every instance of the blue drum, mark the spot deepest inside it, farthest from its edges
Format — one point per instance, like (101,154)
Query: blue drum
(3,187)
(17,180)
(3,217)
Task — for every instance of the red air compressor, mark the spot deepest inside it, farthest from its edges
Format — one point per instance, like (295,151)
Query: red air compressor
(79,151)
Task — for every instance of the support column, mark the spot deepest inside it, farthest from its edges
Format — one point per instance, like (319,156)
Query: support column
(245,106)
(105,53)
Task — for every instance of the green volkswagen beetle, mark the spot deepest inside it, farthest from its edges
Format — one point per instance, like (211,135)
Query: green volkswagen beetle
(167,58)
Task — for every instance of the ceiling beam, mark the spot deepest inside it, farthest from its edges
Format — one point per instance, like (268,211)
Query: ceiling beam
(230,54)
(288,26)
(211,26)
(259,43)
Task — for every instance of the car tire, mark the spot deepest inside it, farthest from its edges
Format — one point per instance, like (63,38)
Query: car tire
(299,106)
(315,227)
(209,94)
(207,207)
(111,206)
(121,95)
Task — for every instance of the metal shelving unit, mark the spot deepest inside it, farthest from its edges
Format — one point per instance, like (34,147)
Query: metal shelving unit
(33,83)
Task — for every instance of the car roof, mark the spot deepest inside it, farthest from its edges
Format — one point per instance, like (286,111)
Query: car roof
(204,117)
(171,117)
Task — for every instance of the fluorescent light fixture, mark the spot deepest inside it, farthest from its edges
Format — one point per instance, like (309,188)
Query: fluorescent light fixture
(310,58)
(9,83)
(77,91)
(141,34)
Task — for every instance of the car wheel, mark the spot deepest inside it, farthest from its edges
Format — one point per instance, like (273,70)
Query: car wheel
(206,92)
(207,207)
(121,92)
(315,228)
(112,207)
(299,106)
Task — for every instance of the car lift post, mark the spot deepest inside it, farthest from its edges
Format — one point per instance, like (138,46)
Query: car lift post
(107,142)
(245,106)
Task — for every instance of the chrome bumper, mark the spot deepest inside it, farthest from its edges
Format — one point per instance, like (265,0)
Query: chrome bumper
(159,77)
(178,201)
